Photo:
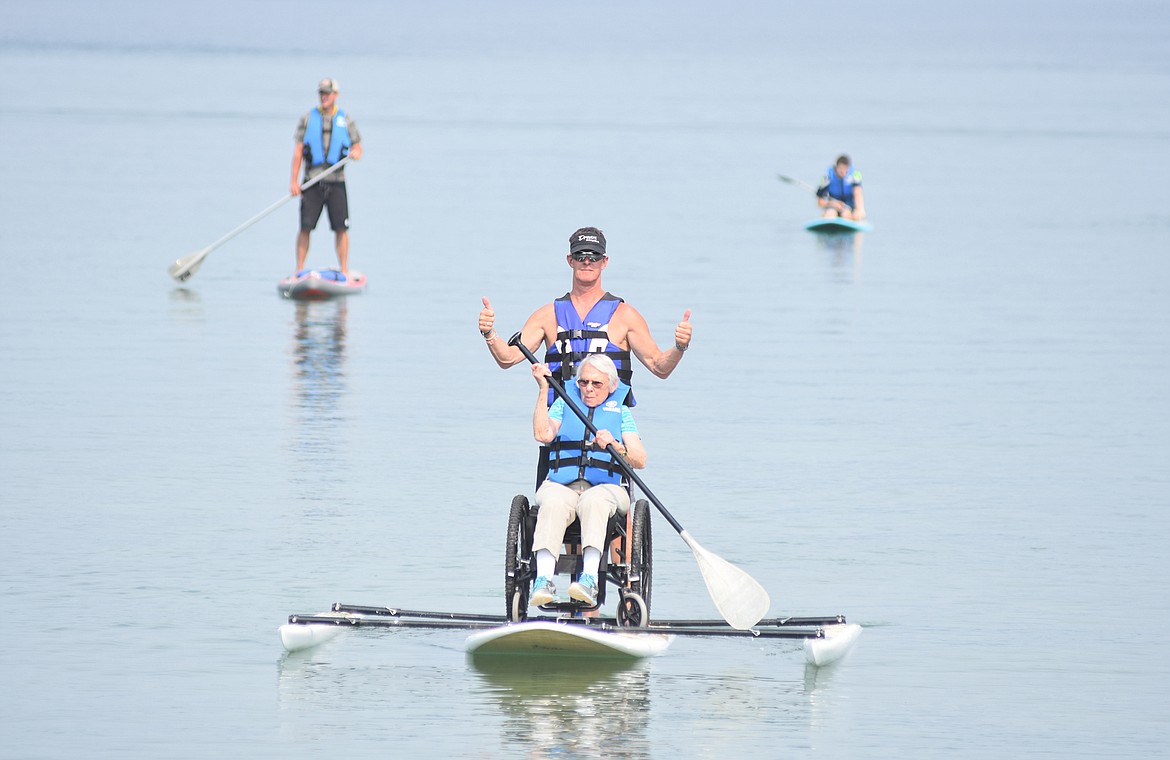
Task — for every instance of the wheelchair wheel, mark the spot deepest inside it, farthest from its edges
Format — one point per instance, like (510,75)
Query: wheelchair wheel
(634,607)
(519,545)
(632,611)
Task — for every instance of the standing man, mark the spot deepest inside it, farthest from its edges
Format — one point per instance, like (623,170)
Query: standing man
(840,191)
(587,320)
(323,137)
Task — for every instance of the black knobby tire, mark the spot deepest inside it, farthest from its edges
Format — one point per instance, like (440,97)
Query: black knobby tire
(642,554)
(515,587)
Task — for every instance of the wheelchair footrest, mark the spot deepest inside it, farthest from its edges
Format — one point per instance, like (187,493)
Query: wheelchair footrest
(569,607)
(570,564)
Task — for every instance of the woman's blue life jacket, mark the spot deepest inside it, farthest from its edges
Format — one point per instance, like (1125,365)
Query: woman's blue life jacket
(841,188)
(315,138)
(577,338)
(569,459)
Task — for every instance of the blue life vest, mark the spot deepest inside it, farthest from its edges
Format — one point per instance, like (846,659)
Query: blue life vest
(568,459)
(315,138)
(841,188)
(577,338)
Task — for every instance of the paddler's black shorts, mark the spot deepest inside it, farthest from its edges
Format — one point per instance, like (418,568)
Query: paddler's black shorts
(325,194)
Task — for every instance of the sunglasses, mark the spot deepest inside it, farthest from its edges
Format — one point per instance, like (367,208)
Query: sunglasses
(591,383)
(593,258)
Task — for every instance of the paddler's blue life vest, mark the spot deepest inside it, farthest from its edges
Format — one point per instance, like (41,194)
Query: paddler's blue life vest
(577,338)
(568,459)
(841,188)
(315,138)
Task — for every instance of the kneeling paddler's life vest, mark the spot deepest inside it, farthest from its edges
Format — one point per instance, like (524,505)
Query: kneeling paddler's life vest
(840,188)
(315,138)
(577,338)
(568,457)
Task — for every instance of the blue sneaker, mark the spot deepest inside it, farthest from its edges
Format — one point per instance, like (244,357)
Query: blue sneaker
(543,591)
(585,589)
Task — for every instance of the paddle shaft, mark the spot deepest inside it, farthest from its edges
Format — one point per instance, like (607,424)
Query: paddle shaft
(610,449)
(798,183)
(276,205)
(810,188)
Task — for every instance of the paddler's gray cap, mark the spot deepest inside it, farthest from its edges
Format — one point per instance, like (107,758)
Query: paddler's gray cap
(587,239)
(328,84)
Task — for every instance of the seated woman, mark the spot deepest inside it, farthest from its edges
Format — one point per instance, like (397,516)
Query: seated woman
(583,480)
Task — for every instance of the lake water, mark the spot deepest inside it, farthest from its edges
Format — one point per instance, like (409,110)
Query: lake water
(954,429)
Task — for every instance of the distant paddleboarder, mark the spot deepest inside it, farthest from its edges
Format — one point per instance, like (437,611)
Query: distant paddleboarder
(324,136)
(840,193)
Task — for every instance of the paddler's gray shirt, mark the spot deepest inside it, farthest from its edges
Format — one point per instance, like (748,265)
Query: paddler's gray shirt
(326,135)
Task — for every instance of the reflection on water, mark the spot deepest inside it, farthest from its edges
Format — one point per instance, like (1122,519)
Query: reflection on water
(818,677)
(380,684)
(319,356)
(844,252)
(553,706)
(180,295)
(300,673)
(318,379)
(186,304)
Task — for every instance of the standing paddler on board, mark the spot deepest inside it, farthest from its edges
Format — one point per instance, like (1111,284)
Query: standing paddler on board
(587,320)
(324,136)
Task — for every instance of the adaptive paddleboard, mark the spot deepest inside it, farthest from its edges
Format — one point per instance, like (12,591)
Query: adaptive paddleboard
(836,224)
(837,643)
(566,639)
(319,284)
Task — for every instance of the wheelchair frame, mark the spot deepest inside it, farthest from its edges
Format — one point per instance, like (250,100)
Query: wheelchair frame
(627,563)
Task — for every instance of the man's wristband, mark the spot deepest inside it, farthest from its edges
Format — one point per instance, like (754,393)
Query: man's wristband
(681,347)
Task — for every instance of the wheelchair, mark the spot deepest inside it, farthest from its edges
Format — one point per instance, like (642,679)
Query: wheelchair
(626,564)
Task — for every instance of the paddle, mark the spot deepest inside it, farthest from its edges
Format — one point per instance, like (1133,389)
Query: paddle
(841,205)
(739,598)
(187,266)
(798,183)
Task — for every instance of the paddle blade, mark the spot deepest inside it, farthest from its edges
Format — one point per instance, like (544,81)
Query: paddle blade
(741,601)
(187,266)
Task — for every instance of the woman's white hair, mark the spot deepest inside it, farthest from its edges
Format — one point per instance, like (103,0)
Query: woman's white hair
(603,364)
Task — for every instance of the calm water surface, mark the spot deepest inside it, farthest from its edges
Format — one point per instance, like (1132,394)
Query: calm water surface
(953,429)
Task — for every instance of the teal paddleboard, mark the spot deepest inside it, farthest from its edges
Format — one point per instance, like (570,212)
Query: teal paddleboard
(837,224)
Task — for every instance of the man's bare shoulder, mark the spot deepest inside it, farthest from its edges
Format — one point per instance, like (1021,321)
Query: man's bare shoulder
(627,317)
(544,319)
(544,316)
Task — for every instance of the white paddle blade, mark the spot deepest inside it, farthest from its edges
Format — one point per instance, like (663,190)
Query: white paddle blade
(187,266)
(741,601)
